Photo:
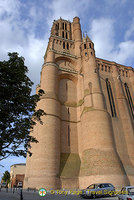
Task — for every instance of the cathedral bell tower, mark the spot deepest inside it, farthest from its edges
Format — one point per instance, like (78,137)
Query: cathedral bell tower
(86,129)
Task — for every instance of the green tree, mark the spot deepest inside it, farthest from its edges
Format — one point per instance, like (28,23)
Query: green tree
(18,113)
(6,177)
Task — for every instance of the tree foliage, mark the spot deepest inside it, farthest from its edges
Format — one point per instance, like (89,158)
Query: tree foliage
(6,177)
(18,112)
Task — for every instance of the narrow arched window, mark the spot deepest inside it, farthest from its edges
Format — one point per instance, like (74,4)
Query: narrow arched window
(56,27)
(66,35)
(85,46)
(67,46)
(65,26)
(111,99)
(105,68)
(63,34)
(129,100)
(63,45)
(68,135)
(89,45)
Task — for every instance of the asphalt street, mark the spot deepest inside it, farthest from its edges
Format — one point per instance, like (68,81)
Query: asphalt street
(35,196)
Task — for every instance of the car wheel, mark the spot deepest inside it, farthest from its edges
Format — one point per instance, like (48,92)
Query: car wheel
(93,196)
(112,194)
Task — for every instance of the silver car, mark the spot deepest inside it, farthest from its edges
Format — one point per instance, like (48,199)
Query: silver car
(127,193)
(99,189)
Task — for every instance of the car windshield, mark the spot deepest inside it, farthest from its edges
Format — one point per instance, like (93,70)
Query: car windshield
(131,191)
(93,186)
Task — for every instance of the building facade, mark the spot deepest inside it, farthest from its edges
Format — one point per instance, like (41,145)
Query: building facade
(17,174)
(88,131)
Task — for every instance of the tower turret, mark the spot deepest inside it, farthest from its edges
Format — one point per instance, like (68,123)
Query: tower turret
(99,159)
(76,36)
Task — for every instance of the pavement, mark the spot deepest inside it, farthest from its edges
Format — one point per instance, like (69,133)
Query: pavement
(31,195)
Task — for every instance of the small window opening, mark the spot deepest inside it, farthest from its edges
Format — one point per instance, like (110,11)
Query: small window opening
(91,53)
(89,45)
(109,69)
(66,36)
(63,34)
(56,27)
(62,25)
(67,46)
(68,111)
(126,74)
(65,26)
(106,68)
(86,54)
(98,66)
(102,67)
(85,46)
(63,45)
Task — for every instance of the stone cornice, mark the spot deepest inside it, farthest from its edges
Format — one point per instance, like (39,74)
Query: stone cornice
(50,64)
(102,61)
(64,39)
(64,54)
(60,68)
(68,70)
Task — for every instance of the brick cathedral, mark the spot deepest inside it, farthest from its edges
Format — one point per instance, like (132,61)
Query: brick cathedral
(88,131)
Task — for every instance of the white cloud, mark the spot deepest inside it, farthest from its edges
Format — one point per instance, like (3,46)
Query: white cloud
(130,31)
(67,9)
(102,34)
(9,8)
(19,36)
(124,52)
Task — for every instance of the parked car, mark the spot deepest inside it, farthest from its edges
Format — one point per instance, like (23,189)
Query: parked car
(4,185)
(127,193)
(97,190)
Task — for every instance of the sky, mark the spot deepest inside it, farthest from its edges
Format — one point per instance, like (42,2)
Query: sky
(25,28)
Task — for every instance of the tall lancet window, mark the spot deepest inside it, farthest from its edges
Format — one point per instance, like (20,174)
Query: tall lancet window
(129,99)
(111,99)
